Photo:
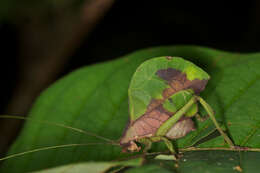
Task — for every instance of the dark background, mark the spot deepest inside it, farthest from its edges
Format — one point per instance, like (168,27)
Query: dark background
(41,42)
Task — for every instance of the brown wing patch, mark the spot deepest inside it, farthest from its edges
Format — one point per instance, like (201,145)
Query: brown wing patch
(150,122)
(179,81)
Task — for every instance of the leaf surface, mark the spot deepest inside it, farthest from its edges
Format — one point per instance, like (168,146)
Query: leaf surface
(92,167)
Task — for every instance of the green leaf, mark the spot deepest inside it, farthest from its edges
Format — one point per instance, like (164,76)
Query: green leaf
(95,99)
(209,162)
(148,169)
(92,167)
(220,162)
(205,161)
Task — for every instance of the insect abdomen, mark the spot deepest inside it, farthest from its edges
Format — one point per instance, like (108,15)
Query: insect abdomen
(181,128)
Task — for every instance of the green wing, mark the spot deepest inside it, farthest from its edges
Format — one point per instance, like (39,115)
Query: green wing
(157,79)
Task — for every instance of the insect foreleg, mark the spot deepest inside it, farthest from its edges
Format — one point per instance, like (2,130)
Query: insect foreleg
(147,142)
(211,115)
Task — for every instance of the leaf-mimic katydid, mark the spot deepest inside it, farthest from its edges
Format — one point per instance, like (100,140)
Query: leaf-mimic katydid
(163,96)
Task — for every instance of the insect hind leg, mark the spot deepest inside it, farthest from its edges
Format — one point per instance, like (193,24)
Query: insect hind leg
(210,112)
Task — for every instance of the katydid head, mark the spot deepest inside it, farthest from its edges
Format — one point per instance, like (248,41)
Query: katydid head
(128,140)
(130,146)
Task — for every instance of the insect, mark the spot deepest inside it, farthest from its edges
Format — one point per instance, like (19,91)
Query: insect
(163,97)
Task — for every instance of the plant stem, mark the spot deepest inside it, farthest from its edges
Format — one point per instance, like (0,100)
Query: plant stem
(219,148)
(208,149)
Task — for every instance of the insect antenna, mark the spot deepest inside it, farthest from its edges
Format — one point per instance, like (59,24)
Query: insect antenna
(59,125)
(52,147)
